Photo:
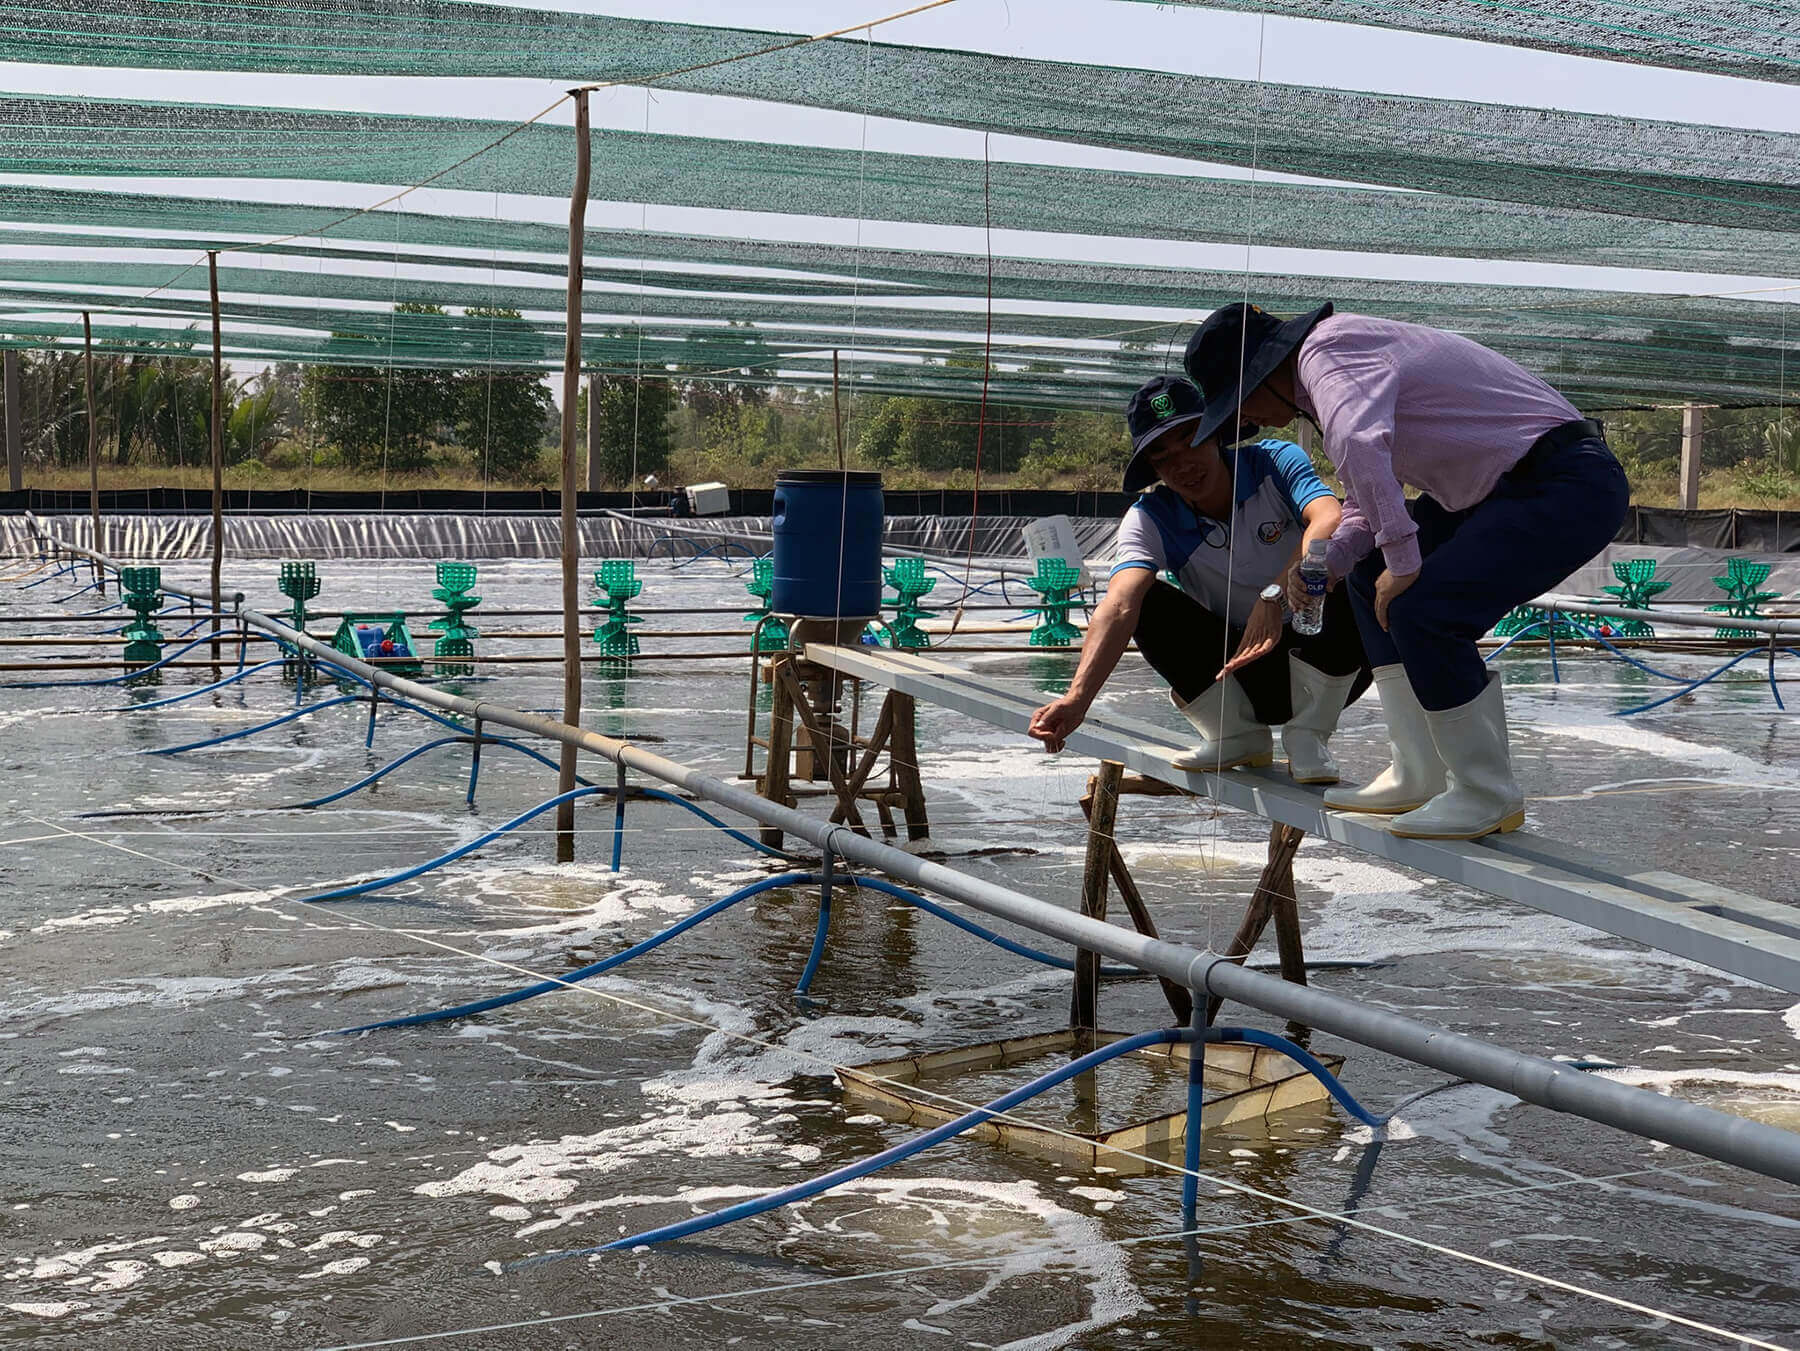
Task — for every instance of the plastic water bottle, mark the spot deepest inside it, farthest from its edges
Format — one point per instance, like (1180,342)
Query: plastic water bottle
(1309,618)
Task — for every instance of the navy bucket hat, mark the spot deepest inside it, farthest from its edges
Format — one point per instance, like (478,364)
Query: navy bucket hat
(1234,351)
(1158,406)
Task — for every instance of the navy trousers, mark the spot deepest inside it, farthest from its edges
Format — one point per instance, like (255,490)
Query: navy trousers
(1549,514)
(1185,643)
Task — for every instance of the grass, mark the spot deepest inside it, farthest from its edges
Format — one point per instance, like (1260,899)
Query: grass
(290,467)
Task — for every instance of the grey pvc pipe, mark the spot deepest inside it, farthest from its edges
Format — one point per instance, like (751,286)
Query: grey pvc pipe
(1778,628)
(1760,1148)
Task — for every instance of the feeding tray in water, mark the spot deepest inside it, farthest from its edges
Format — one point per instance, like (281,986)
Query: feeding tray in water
(1243,1084)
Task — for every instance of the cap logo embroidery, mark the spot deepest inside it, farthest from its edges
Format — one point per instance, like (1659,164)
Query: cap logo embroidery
(1163,405)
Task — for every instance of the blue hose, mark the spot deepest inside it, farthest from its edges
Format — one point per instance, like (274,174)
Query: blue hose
(786,879)
(1690,688)
(109,680)
(593,968)
(84,590)
(937,1135)
(364,888)
(1255,1036)
(194,693)
(252,731)
(60,572)
(851,1172)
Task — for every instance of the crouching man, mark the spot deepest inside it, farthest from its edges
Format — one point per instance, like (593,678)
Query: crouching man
(1229,525)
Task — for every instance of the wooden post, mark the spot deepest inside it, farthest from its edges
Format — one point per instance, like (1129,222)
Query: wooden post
(93,439)
(15,417)
(1690,456)
(774,784)
(1273,897)
(571,538)
(1103,789)
(593,432)
(837,418)
(218,447)
(903,756)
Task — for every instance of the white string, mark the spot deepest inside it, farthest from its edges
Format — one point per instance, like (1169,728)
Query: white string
(1303,1211)
(1009,1256)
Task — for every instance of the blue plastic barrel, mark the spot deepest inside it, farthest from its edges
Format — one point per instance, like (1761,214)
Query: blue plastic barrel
(827,544)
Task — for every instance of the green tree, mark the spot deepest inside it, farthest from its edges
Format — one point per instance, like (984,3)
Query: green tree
(634,427)
(379,415)
(501,415)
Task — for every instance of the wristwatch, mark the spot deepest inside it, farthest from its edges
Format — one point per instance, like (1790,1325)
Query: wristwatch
(1276,595)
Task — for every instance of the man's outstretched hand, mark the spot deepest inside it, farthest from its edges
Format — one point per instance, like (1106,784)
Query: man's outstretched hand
(1056,721)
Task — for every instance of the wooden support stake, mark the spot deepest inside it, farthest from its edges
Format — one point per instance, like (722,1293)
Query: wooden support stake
(1103,815)
(593,432)
(903,756)
(820,737)
(15,421)
(773,787)
(878,738)
(571,536)
(1691,422)
(218,445)
(93,440)
(837,418)
(1273,897)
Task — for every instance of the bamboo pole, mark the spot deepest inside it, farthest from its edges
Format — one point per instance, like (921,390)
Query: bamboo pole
(218,446)
(593,432)
(571,538)
(15,416)
(837,418)
(93,437)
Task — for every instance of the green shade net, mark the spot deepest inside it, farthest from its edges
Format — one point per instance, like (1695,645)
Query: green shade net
(416,37)
(119,138)
(1610,347)
(1757,40)
(1631,166)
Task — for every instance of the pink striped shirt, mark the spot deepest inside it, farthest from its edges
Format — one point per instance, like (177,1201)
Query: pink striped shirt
(1401,404)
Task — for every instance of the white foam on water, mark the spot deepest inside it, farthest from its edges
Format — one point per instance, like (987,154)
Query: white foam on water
(1555,719)
(57,1309)
(179,1257)
(343,1266)
(272,1175)
(950,1219)
(184,1202)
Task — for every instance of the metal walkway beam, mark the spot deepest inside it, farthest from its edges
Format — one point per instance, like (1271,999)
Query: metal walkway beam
(1715,926)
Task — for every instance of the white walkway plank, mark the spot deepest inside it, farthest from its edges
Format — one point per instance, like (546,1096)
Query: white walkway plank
(1744,935)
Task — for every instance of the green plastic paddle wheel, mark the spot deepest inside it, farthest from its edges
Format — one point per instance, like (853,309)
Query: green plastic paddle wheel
(299,583)
(907,577)
(1056,583)
(773,635)
(1529,617)
(1637,587)
(458,640)
(380,638)
(1743,599)
(618,585)
(143,597)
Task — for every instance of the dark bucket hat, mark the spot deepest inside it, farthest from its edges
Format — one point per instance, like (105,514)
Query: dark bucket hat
(1161,404)
(1234,339)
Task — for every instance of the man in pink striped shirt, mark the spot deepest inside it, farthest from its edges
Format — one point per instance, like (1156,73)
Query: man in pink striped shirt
(1517,490)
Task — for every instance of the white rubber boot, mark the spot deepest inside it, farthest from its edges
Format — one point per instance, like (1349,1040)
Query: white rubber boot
(1483,797)
(1416,774)
(1318,700)
(1230,735)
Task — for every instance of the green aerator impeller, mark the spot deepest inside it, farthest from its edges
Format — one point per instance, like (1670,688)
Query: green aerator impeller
(619,584)
(143,596)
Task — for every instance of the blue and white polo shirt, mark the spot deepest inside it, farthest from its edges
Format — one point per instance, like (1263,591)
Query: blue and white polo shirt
(1274,481)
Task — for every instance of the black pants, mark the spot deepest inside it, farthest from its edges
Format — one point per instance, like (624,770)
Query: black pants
(1187,644)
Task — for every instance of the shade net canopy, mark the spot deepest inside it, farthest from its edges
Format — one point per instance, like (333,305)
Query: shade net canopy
(1402,177)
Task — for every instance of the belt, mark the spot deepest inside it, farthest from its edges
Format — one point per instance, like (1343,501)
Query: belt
(1561,438)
